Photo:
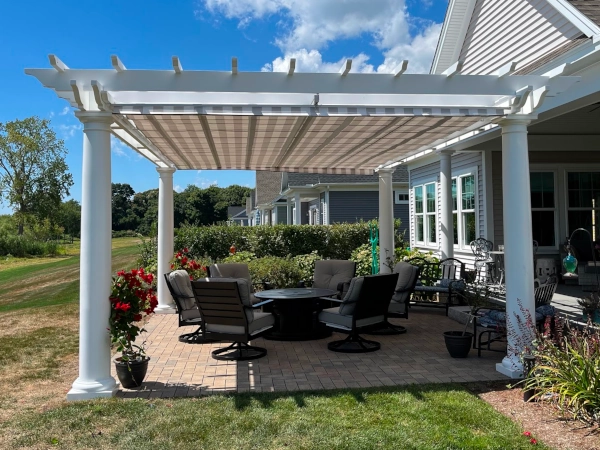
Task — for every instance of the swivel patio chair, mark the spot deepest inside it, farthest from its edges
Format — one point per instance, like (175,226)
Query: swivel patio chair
(365,304)
(233,270)
(229,315)
(408,276)
(334,274)
(180,287)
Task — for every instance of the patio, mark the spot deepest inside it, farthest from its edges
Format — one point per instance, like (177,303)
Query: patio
(419,356)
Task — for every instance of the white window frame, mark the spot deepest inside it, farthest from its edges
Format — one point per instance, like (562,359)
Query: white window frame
(426,214)
(556,206)
(458,176)
(313,215)
(566,193)
(398,201)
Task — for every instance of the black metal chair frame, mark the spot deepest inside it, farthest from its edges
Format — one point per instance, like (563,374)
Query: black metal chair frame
(431,273)
(374,300)
(220,302)
(196,337)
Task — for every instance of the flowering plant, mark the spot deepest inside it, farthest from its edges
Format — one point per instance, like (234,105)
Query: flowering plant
(131,299)
(183,260)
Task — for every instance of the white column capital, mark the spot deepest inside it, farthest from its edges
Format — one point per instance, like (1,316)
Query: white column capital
(165,171)
(517,119)
(88,117)
(445,153)
(386,171)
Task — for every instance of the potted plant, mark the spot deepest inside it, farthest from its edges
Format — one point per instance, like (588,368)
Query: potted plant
(590,306)
(131,300)
(459,343)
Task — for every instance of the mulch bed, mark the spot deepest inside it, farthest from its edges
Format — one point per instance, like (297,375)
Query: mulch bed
(541,419)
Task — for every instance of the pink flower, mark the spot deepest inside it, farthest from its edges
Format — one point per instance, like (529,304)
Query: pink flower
(526,433)
(533,441)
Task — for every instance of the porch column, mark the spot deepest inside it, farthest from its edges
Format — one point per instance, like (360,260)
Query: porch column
(386,220)
(94,378)
(290,218)
(165,238)
(518,242)
(446,217)
(326,220)
(298,205)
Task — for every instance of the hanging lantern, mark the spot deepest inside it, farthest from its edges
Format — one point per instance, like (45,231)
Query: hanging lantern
(570,265)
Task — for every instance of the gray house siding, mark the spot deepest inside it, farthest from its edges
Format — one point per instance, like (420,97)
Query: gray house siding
(346,206)
(281,215)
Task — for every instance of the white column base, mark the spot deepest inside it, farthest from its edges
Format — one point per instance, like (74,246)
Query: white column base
(165,309)
(512,368)
(87,390)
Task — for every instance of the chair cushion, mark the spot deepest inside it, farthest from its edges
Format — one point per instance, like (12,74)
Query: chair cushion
(231,270)
(351,297)
(333,317)
(180,282)
(261,322)
(330,272)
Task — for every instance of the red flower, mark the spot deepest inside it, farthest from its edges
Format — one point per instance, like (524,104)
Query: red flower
(533,441)
(185,250)
(184,260)
(134,272)
(178,255)
(137,317)
(114,300)
(123,307)
(191,278)
(172,266)
(526,433)
(121,273)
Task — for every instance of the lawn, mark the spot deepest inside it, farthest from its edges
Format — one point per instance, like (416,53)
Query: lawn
(38,363)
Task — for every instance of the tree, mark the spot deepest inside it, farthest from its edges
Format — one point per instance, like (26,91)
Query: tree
(69,217)
(123,217)
(34,176)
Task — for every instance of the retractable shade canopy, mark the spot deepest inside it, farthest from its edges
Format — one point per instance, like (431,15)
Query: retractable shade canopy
(297,122)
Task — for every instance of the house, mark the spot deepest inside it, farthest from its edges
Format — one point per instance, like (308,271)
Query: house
(237,215)
(562,189)
(326,198)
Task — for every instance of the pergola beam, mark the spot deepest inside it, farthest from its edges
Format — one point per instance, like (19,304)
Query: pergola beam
(401,68)
(58,65)
(117,64)
(176,64)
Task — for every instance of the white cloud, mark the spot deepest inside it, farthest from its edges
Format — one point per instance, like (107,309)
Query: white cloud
(308,26)
(119,148)
(204,182)
(177,188)
(66,110)
(68,131)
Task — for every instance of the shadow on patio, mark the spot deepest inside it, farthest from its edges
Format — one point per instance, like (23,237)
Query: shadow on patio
(417,357)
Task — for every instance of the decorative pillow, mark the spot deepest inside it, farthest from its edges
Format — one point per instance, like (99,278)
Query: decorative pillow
(457,285)
(180,282)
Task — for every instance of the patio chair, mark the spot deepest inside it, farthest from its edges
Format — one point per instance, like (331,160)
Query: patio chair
(365,304)
(334,274)
(180,287)
(445,277)
(481,248)
(408,276)
(233,270)
(491,322)
(229,315)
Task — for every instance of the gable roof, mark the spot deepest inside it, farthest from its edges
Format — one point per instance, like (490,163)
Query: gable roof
(400,175)
(234,210)
(583,15)
(268,185)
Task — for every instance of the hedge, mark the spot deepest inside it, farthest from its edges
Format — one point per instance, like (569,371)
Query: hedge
(329,241)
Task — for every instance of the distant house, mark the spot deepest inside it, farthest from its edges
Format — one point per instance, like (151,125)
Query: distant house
(237,214)
(325,198)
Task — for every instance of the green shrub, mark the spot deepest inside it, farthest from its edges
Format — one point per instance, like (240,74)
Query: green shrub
(240,257)
(363,258)
(306,265)
(148,254)
(21,246)
(567,369)
(280,272)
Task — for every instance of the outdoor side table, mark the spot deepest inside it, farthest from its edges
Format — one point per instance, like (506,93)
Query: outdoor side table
(296,313)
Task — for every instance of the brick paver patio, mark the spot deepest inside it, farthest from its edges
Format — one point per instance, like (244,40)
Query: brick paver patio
(419,356)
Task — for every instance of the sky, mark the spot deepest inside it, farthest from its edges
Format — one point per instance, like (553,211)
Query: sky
(205,34)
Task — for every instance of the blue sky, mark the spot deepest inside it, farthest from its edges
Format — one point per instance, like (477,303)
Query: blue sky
(205,34)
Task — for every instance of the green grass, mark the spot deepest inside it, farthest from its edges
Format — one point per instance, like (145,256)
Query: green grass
(415,417)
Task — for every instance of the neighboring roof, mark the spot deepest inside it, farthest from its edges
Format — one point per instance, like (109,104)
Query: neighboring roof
(250,202)
(591,8)
(233,210)
(240,216)
(268,185)
(309,179)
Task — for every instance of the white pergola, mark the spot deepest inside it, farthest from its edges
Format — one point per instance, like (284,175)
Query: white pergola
(342,122)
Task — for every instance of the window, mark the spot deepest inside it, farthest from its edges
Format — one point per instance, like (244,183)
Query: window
(425,214)
(313,216)
(465,224)
(400,198)
(543,208)
(583,201)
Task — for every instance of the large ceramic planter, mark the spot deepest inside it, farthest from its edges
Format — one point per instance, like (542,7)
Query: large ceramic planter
(132,373)
(458,343)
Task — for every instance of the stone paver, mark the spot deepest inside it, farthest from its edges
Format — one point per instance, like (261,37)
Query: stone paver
(419,356)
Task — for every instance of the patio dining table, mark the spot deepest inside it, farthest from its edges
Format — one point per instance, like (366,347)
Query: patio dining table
(296,313)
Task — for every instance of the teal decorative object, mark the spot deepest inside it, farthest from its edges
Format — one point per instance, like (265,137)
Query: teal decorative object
(374,239)
(570,263)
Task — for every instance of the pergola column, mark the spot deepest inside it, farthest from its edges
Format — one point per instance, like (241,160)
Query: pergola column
(94,378)
(446,216)
(386,219)
(518,243)
(165,238)
(289,210)
(298,204)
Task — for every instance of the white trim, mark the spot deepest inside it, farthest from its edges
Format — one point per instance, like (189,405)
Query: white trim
(457,175)
(576,17)
(539,168)
(488,195)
